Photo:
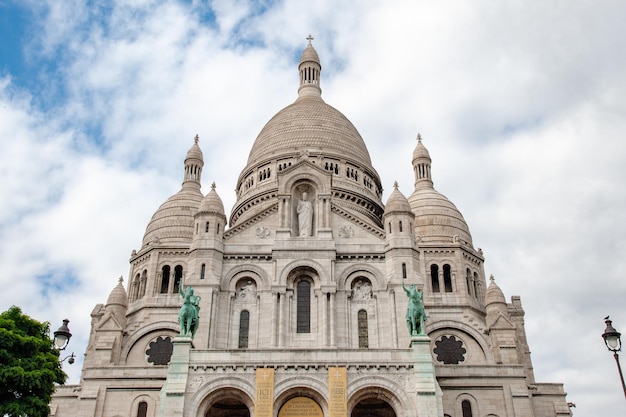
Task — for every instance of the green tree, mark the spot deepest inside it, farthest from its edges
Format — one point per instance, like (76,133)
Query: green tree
(29,365)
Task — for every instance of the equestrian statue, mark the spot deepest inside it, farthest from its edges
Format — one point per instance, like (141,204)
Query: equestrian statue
(415,314)
(189,315)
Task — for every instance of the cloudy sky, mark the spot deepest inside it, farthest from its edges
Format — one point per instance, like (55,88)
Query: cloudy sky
(521,105)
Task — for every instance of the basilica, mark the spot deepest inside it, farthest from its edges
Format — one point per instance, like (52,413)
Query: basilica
(303,295)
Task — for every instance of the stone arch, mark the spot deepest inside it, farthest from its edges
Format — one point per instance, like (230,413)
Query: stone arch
(258,274)
(464,332)
(458,404)
(300,386)
(134,405)
(290,272)
(312,174)
(381,389)
(162,328)
(219,389)
(345,279)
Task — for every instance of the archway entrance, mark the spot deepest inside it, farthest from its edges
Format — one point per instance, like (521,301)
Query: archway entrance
(228,407)
(373,407)
(301,407)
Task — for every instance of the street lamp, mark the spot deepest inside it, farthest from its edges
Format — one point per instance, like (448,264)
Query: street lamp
(62,338)
(613,340)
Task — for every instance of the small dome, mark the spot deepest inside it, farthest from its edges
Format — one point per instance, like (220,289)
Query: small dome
(309,55)
(397,202)
(436,218)
(420,151)
(195,152)
(494,294)
(212,203)
(118,295)
(173,221)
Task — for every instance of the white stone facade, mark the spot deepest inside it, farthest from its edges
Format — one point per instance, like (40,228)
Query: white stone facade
(302,302)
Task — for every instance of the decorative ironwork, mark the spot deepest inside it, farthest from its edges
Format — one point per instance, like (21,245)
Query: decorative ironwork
(160,351)
(449,350)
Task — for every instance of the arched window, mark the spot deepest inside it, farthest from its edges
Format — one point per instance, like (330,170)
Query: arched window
(468,281)
(178,277)
(363,335)
(165,279)
(303,308)
(389,227)
(447,278)
(142,283)
(400,226)
(403,270)
(466,407)
(202,271)
(434,277)
(142,409)
(477,292)
(244,329)
(217,232)
(134,292)
(206,227)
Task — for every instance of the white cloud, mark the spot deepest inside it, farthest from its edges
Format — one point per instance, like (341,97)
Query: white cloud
(521,107)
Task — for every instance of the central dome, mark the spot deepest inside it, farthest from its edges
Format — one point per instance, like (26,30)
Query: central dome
(309,123)
(313,131)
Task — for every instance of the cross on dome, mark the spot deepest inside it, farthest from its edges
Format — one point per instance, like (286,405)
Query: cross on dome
(196,139)
(310,38)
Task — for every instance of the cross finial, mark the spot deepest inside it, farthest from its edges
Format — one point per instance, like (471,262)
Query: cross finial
(419,137)
(196,139)
(121,279)
(309,38)
(395,185)
(213,186)
(491,278)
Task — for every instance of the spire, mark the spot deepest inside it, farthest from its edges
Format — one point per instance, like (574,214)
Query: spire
(310,69)
(421,165)
(194,162)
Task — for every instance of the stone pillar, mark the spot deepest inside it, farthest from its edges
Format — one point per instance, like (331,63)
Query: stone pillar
(172,397)
(429,394)
(323,217)
(333,314)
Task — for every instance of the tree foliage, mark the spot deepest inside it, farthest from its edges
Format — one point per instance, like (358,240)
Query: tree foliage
(29,365)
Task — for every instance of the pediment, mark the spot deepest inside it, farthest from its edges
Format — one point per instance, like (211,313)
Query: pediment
(261,226)
(108,323)
(502,323)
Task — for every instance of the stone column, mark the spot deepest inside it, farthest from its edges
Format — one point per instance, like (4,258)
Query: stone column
(333,313)
(394,319)
(172,397)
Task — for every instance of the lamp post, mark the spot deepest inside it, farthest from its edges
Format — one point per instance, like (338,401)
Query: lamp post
(613,340)
(62,338)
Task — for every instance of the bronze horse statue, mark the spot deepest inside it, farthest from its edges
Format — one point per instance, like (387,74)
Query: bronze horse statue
(415,313)
(189,315)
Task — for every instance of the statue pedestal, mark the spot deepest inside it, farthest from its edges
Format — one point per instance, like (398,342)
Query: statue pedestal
(172,397)
(429,394)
